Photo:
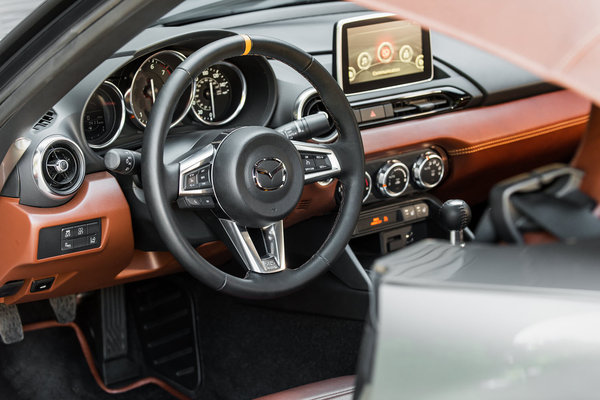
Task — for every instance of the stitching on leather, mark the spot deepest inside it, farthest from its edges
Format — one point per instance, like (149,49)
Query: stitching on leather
(521,136)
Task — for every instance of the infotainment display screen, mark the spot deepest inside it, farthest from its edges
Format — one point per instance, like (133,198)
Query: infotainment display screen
(377,52)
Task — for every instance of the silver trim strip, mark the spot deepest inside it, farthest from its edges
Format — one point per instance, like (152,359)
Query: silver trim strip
(196,160)
(121,124)
(189,103)
(38,175)
(11,158)
(401,96)
(273,261)
(370,180)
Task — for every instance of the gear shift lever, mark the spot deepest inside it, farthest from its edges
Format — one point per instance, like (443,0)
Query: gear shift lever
(455,215)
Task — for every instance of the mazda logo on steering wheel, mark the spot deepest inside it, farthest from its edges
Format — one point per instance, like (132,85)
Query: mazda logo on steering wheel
(269,174)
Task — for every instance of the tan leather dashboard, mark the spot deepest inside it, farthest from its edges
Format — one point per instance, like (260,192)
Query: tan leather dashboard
(483,145)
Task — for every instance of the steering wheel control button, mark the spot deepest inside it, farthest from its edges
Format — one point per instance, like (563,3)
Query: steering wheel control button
(41,285)
(309,164)
(322,162)
(191,180)
(58,240)
(269,174)
(315,162)
(204,177)
(197,179)
(196,202)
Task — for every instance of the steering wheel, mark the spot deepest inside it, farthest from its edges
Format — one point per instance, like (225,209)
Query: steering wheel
(255,177)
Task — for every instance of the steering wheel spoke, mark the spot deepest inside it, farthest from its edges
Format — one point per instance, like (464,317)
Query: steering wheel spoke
(267,255)
(318,160)
(195,188)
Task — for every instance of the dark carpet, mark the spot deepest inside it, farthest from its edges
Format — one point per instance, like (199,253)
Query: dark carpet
(49,364)
(247,351)
(250,351)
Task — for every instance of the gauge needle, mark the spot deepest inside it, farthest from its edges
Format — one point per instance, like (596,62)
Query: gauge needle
(152,87)
(212,99)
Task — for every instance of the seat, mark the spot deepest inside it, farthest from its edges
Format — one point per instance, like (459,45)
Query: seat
(341,388)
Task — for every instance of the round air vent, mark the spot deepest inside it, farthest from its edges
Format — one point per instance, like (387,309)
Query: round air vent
(309,103)
(58,167)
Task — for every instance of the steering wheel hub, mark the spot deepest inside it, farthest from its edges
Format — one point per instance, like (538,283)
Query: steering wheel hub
(257,176)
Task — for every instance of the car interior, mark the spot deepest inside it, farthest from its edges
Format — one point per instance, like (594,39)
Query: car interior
(219,199)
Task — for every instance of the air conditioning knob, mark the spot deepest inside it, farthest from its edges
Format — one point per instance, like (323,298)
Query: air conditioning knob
(429,170)
(392,178)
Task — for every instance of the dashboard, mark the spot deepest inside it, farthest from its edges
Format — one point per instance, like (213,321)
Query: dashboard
(452,132)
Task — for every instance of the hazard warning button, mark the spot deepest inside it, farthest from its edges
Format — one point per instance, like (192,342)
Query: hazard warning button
(372,113)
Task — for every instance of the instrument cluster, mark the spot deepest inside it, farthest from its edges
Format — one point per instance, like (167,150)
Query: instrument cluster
(124,101)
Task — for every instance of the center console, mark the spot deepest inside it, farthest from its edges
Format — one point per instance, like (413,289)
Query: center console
(397,207)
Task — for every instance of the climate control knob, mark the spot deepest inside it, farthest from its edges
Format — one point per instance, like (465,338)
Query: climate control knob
(428,171)
(392,178)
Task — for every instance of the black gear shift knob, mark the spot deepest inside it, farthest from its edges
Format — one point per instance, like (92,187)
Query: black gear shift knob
(455,215)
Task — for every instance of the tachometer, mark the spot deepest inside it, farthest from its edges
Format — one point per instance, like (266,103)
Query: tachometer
(103,116)
(219,95)
(147,82)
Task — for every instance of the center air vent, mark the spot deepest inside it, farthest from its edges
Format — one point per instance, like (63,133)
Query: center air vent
(409,105)
(58,167)
(309,103)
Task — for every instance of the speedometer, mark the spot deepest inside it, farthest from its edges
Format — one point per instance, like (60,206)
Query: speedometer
(147,82)
(219,95)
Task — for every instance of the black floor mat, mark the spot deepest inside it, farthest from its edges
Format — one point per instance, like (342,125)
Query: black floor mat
(250,351)
(49,364)
(247,351)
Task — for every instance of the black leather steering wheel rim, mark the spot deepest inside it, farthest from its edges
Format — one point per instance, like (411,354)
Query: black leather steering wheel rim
(349,151)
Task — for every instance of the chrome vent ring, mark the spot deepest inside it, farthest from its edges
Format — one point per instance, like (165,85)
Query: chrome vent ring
(58,167)
(309,102)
